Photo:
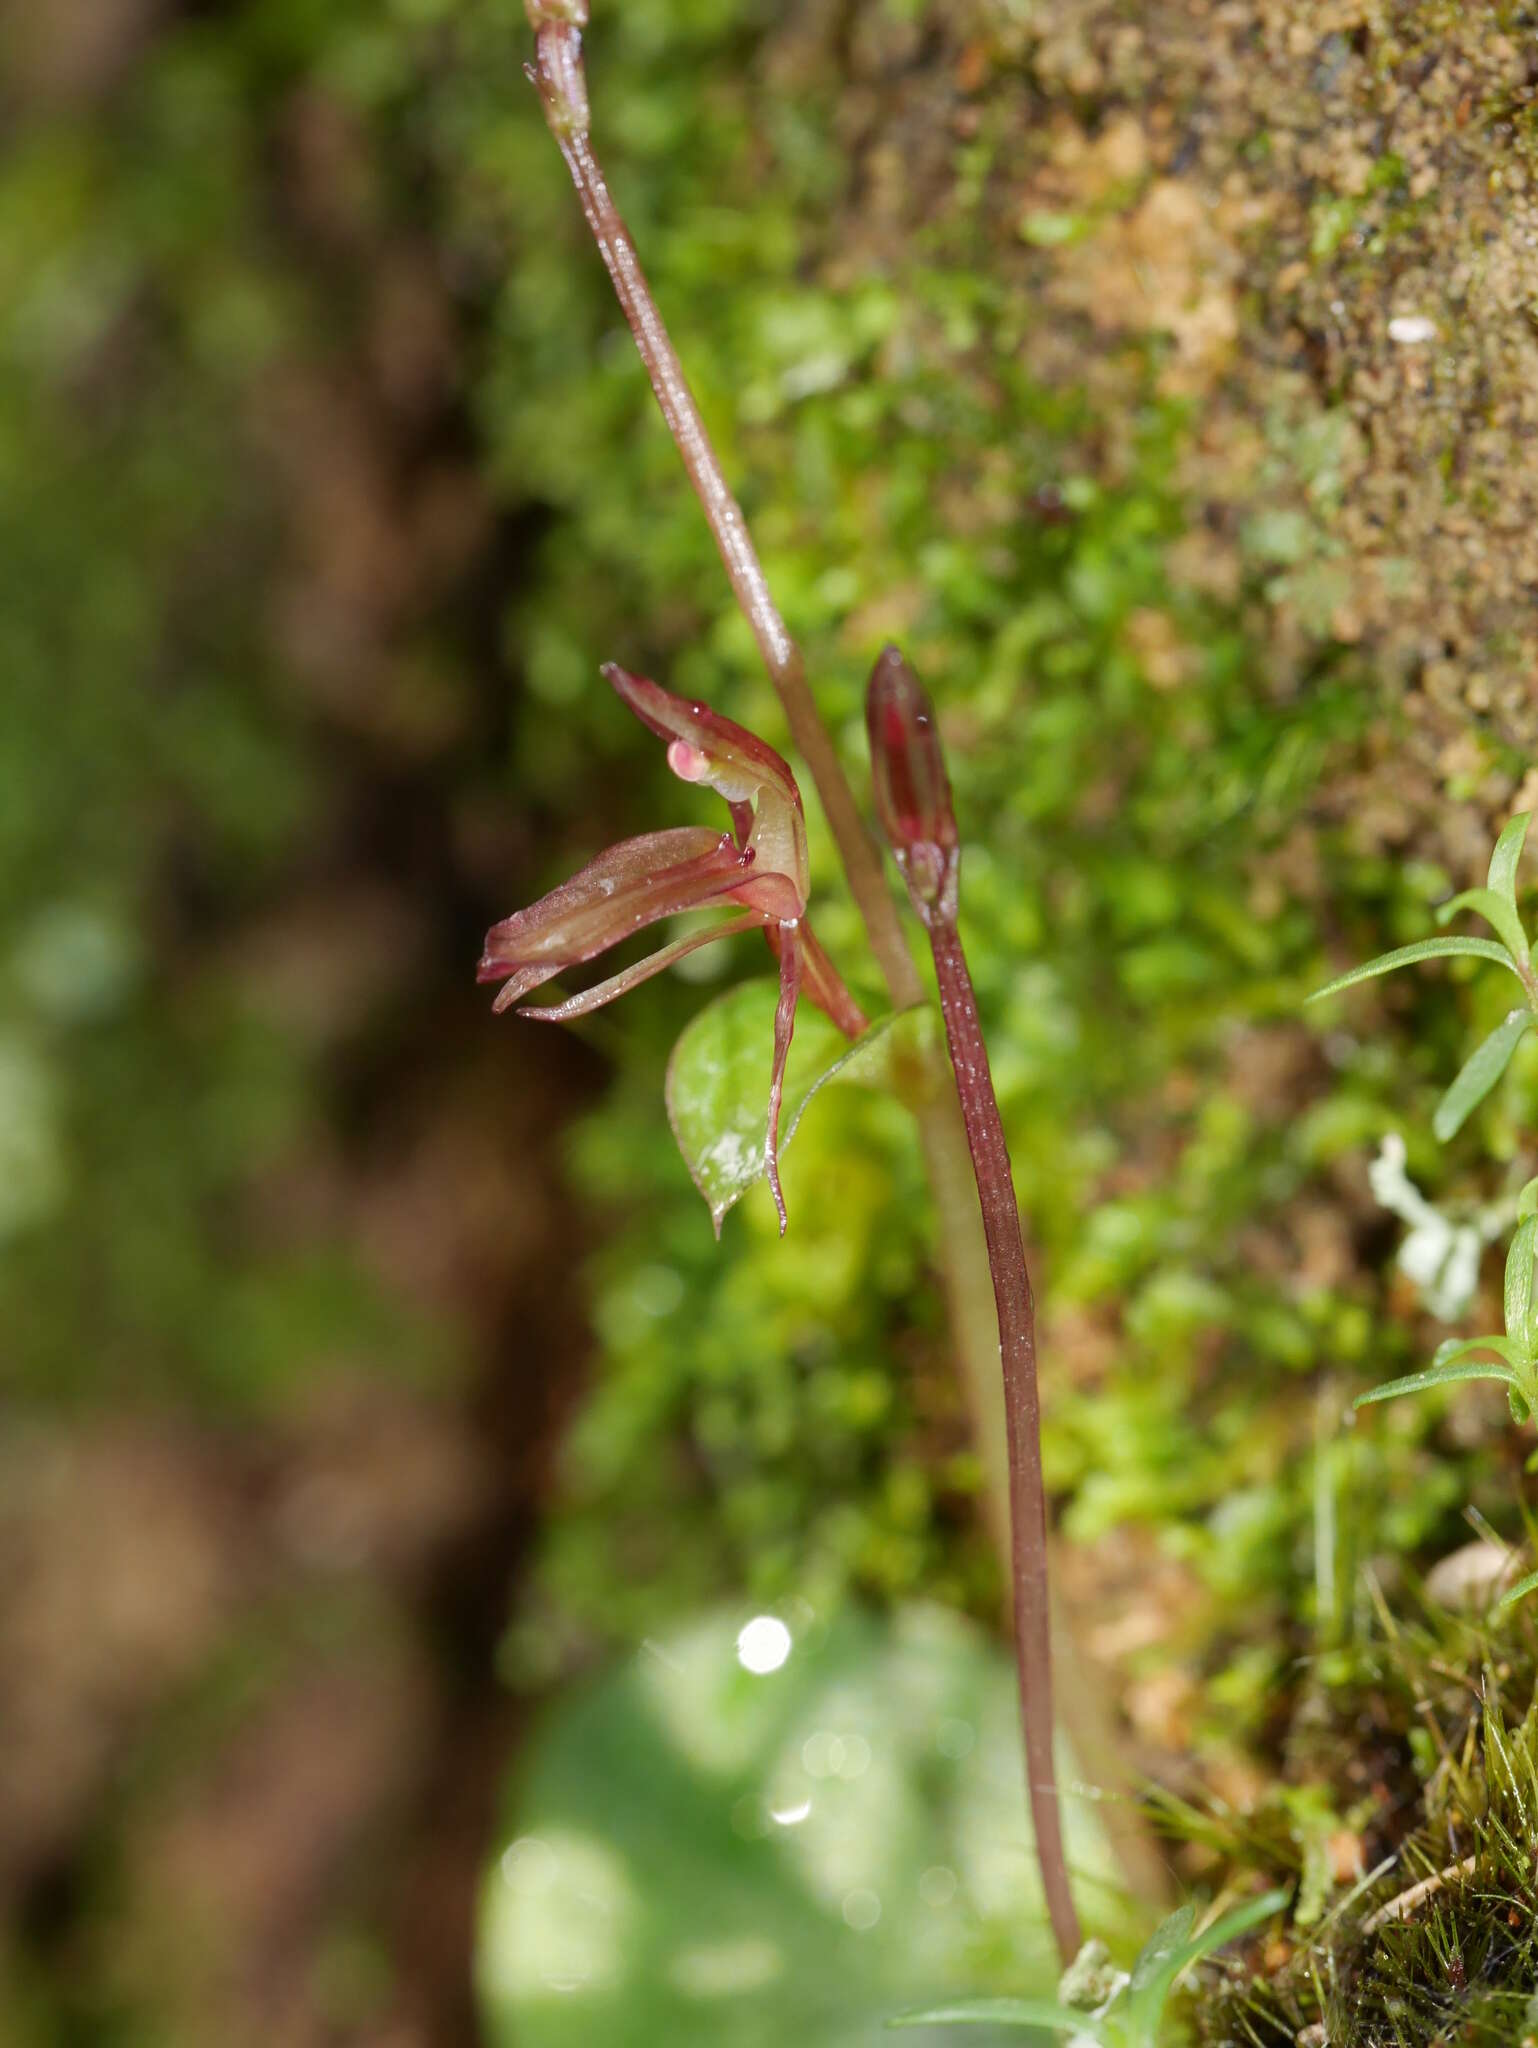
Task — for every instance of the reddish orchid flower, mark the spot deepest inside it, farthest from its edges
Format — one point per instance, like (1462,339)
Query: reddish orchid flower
(759,868)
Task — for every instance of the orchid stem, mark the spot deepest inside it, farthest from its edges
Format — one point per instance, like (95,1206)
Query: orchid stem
(965,1258)
(918,817)
(1022,1409)
(562,89)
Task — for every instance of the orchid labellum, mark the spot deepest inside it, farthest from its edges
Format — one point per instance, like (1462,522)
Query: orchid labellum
(758,870)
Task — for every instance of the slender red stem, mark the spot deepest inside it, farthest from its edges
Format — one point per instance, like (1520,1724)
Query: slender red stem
(1022,1407)
(562,88)
(784,1025)
(913,802)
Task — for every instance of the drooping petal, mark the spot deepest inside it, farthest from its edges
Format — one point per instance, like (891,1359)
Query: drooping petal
(821,982)
(631,977)
(784,1025)
(755,781)
(625,888)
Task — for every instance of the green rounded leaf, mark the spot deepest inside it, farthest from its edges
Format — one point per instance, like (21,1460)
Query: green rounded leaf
(1480,1072)
(699,1855)
(718,1080)
(1407,956)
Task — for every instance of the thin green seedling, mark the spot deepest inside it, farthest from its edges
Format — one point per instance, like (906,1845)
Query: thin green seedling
(1496,903)
(1132,2009)
(1512,1358)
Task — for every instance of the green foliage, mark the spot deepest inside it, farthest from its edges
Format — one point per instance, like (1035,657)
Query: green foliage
(718,1080)
(1497,905)
(1116,834)
(696,1852)
(1132,2015)
(1437,1938)
(1145,864)
(1479,1074)
(160,790)
(1408,956)
(1512,1359)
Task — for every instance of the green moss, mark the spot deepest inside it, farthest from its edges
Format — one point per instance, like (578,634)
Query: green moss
(905,470)
(1435,1781)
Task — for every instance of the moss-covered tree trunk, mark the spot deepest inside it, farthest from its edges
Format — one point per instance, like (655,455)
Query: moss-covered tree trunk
(1317,225)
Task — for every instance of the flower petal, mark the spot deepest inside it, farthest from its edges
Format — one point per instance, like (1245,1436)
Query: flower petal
(756,781)
(625,888)
(789,949)
(631,977)
(735,762)
(821,982)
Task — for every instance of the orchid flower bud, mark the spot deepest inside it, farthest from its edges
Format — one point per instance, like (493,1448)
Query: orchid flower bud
(912,789)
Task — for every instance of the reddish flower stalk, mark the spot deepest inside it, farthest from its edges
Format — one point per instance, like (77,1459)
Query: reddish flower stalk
(913,801)
(561,81)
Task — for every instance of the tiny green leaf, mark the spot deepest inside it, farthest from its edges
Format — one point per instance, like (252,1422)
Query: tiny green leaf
(1506,858)
(1173,1948)
(1527,1199)
(1479,1073)
(1519,1591)
(718,1080)
(1500,915)
(1007,2012)
(1406,956)
(1439,1376)
(1454,1348)
(1157,1960)
(1519,1287)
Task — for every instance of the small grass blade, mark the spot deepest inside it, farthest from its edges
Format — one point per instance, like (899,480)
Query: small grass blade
(1007,2012)
(1519,1286)
(1517,1592)
(1174,1948)
(1438,1376)
(1500,915)
(1507,856)
(1407,956)
(1479,1074)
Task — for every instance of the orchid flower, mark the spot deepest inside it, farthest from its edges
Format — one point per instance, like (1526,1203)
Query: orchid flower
(759,868)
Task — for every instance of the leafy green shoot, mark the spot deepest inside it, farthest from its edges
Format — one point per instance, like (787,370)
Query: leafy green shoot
(1496,903)
(1408,956)
(1511,1359)
(1480,1072)
(1133,2013)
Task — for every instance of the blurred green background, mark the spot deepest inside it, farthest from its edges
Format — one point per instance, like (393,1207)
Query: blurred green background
(370,1380)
